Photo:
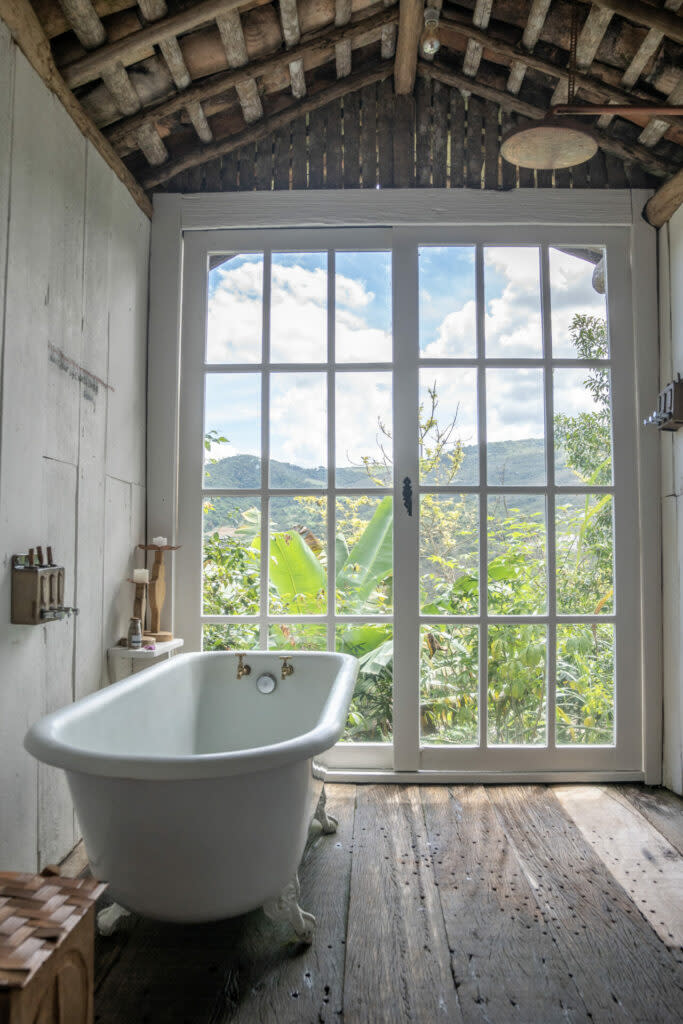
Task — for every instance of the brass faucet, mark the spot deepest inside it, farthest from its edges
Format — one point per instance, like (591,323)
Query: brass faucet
(242,669)
(287,669)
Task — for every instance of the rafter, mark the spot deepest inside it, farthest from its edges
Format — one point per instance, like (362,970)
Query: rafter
(268,125)
(665,21)
(342,51)
(410,23)
(532,31)
(480,18)
(657,127)
(126,51)
(291,32)
(311,46)
(633,152)
(666,200)
(235,46)
(590,37)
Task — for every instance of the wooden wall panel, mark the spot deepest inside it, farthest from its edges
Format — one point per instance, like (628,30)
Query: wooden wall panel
(436,139)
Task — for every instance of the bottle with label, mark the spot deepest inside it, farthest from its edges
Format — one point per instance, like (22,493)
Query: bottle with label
(135,634)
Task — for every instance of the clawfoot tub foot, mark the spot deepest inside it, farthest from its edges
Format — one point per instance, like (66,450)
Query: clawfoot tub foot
(286,908)
(108,920)
(327,822)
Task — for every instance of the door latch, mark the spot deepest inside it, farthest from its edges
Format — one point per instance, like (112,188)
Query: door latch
(408,495)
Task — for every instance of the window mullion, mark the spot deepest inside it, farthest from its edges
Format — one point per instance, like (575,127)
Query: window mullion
(551,569)
(483,498)
(265,447)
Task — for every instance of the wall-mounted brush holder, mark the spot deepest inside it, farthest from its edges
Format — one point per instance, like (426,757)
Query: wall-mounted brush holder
(37,590)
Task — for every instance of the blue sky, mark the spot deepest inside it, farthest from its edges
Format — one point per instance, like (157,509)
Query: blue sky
(363,333)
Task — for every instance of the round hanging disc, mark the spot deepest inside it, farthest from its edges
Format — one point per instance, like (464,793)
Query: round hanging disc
(549,145)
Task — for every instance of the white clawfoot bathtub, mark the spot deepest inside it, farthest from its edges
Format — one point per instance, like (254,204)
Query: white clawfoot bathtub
(194,790)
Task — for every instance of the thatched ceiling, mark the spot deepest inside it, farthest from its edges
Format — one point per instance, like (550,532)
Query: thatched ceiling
(174,84)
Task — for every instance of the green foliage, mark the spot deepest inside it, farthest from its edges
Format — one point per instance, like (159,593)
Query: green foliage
(515,585)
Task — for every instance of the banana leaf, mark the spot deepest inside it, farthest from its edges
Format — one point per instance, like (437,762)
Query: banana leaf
(371,559)
(295,571)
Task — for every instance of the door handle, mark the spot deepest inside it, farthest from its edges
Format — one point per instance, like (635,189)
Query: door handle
(408,495)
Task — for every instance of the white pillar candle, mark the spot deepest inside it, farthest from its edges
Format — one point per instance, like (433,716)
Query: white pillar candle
(140,575)
(159,541)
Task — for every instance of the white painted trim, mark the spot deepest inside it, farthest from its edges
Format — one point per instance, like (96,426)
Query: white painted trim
(404,207)
(429,778)
(649,466)
(163,384)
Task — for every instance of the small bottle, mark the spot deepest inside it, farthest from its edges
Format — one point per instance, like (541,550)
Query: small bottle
(135,634)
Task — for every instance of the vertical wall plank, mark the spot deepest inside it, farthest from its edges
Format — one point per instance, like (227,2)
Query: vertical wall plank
(508,170)
(299,154)
(544,179)
(404,136)
(439,134)
(423,120)
(263,171)
(491,111)
(333,147)
(212,175)
(368,138)
(229,173)
(247,156)
(281,144)
(317,130)
(616,175)
(385,144)
(597,170)
(352,140)
(6,100)
(475,156)
(580,176)
(563,177)
(457,132)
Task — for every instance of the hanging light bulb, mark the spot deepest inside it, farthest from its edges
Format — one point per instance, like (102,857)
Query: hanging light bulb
(429,40)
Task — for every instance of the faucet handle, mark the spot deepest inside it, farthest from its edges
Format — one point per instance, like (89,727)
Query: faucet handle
(287,669)
(242,668)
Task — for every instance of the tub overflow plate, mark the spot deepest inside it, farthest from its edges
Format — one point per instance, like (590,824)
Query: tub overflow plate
(266,683)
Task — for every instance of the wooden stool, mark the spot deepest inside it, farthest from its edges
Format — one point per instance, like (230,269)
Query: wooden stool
(47,929)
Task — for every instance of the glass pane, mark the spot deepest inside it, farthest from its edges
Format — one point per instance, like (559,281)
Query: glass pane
(449,684)
(578,303)
(298,430)
(371,713)
(512,288)
(517,575)
(448,324)
(297,564)
(364,446)
(449,554)
(517,685)
(448,426)
(515,427)
(585,684)
(237,637)
(231,556)
(232,430)
(297,636)
(364,555)
(363,299)
(298,307)
(582,426)
(234,322)
(585,560)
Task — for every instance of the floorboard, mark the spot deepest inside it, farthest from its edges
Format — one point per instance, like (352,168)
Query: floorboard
(622,969)
(397,963)
(487,905)
(506,966)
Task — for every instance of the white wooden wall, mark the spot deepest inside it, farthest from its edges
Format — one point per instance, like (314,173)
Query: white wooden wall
(671,319)
(73,276)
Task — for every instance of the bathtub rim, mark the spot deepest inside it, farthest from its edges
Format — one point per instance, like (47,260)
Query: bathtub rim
(44,740)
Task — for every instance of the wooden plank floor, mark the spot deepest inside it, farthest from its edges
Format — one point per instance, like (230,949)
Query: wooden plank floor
(488,905)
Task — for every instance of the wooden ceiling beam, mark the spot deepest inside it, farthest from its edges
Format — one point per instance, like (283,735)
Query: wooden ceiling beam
(291,33)
(389,33)
(595,89)
(199,155)
(87,69)
(34,44)
(664,203)
(410,25)
(590,37)
(630,153)
(667,22)
(342,51)
(480,17)
(657,127)
(321,42)
(152,10)
(235,46)
(532,32)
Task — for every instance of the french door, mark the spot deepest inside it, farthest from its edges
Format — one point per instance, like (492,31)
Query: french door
(416,446)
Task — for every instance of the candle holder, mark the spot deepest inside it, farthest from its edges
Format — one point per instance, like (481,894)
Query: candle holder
(157,589)
(140,601)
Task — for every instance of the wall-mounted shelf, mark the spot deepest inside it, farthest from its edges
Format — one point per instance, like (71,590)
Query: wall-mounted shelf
(131,659)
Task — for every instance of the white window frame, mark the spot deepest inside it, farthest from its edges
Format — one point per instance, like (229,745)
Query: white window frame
(557,218)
